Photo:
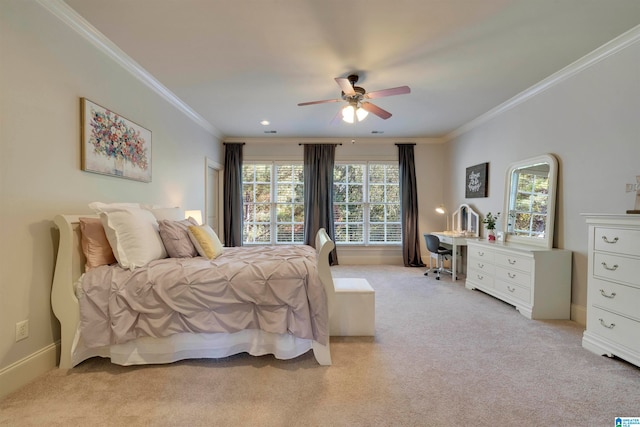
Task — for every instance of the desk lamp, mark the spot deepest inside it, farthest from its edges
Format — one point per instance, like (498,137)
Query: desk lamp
(442,211)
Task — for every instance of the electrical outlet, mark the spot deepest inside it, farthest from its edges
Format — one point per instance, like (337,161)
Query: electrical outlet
(22,330)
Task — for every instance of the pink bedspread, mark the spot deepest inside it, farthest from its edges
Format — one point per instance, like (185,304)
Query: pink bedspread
(275,288)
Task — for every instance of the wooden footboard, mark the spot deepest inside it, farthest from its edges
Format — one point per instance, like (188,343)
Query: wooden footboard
(70,267)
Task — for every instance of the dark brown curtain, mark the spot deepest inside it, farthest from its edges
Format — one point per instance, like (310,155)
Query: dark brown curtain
(318,193)
(409,207)
(232,194)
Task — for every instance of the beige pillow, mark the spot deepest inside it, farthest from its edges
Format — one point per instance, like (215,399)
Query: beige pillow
(95,245)
(206,241)
(175,236)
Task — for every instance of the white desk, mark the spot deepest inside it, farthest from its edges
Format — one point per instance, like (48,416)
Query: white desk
(455,239)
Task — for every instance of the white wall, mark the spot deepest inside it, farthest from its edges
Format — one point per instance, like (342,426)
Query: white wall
(429,171)
(45,68)
(591,122)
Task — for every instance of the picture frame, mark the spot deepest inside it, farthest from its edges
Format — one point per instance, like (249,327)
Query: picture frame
(113,145)
(476,181)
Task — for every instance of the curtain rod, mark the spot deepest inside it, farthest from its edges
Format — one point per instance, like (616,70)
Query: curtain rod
(405,143)
(322,143)
(227,143)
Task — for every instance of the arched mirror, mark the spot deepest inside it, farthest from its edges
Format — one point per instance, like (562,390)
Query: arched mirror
(465,221)
(530,201)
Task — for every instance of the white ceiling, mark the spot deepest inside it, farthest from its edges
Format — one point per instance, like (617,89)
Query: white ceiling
(237,62)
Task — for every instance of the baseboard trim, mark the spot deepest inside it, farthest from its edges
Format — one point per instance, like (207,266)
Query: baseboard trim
(579,314)
(22,372)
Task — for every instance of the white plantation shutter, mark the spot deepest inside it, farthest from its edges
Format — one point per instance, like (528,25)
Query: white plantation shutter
(367,203)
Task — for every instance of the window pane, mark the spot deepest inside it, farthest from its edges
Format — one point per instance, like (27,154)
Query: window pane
(376,214)
(393,194)
(298,193)
(263,173)
(356,213)
(356,173)
(339,193)
(376,193)
(263,213)
(263,193)
(285,193)
(376,174)
(298,213)
(284,213)
(356,193)
(393,212)
(355,233)
(523,202)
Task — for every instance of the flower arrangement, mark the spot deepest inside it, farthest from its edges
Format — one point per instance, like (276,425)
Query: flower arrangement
(490,220)
(111,137)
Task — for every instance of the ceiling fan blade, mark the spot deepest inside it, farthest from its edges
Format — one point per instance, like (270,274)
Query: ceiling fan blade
(345,85)
(318,102)
(374,109)
(337,118)
(401,90)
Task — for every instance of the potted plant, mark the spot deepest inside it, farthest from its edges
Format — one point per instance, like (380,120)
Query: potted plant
(490,222)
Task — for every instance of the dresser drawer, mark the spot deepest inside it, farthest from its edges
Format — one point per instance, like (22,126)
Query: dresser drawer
(615,297)
(513,276)
(617,240)
(480,277)
(512,261)
(619,329)
(514,291)
(480,264)
(480,254)
(614,267)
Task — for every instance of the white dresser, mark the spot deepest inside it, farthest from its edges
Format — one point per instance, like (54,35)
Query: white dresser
(613,286)
(536,280)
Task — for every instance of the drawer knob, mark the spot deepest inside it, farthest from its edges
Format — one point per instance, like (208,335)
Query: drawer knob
(480,277)
(615,239)
(610,326)
(480,253)
(511,276)
(511,261)
(614,268)
(480,265)
(604,294)
(511,288)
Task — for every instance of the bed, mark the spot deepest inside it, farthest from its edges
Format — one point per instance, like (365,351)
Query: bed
(67,285)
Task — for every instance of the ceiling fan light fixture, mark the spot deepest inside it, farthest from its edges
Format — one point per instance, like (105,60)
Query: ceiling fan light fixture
(362,114)
(348,114)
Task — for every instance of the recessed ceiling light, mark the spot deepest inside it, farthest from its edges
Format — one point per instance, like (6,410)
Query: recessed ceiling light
(265,123)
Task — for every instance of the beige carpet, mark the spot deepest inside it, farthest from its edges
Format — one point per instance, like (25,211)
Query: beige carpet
(442,355)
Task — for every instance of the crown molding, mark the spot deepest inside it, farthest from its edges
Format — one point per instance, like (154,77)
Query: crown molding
(610,48)
(80,25)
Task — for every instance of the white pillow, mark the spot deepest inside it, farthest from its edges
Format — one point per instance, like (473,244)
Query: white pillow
(100,207)
(171,214)
(133,236)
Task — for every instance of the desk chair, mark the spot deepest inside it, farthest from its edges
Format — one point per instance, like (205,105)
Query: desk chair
(433,245)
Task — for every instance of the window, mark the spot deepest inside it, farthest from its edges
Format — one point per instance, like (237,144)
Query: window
(529,212)
(273,203)
(366,204)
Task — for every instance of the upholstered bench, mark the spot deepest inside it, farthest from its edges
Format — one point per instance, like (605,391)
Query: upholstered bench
(354,311)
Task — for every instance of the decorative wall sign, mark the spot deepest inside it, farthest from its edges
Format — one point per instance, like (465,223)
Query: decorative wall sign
(476,182)
(113,145)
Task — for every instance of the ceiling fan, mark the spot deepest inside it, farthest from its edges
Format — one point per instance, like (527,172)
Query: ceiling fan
(356,97)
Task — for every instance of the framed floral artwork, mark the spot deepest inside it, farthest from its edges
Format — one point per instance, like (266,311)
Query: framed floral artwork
(476,182)
(113,145)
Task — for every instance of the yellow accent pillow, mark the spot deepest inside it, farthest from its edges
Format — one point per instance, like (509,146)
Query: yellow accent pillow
(206,241)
